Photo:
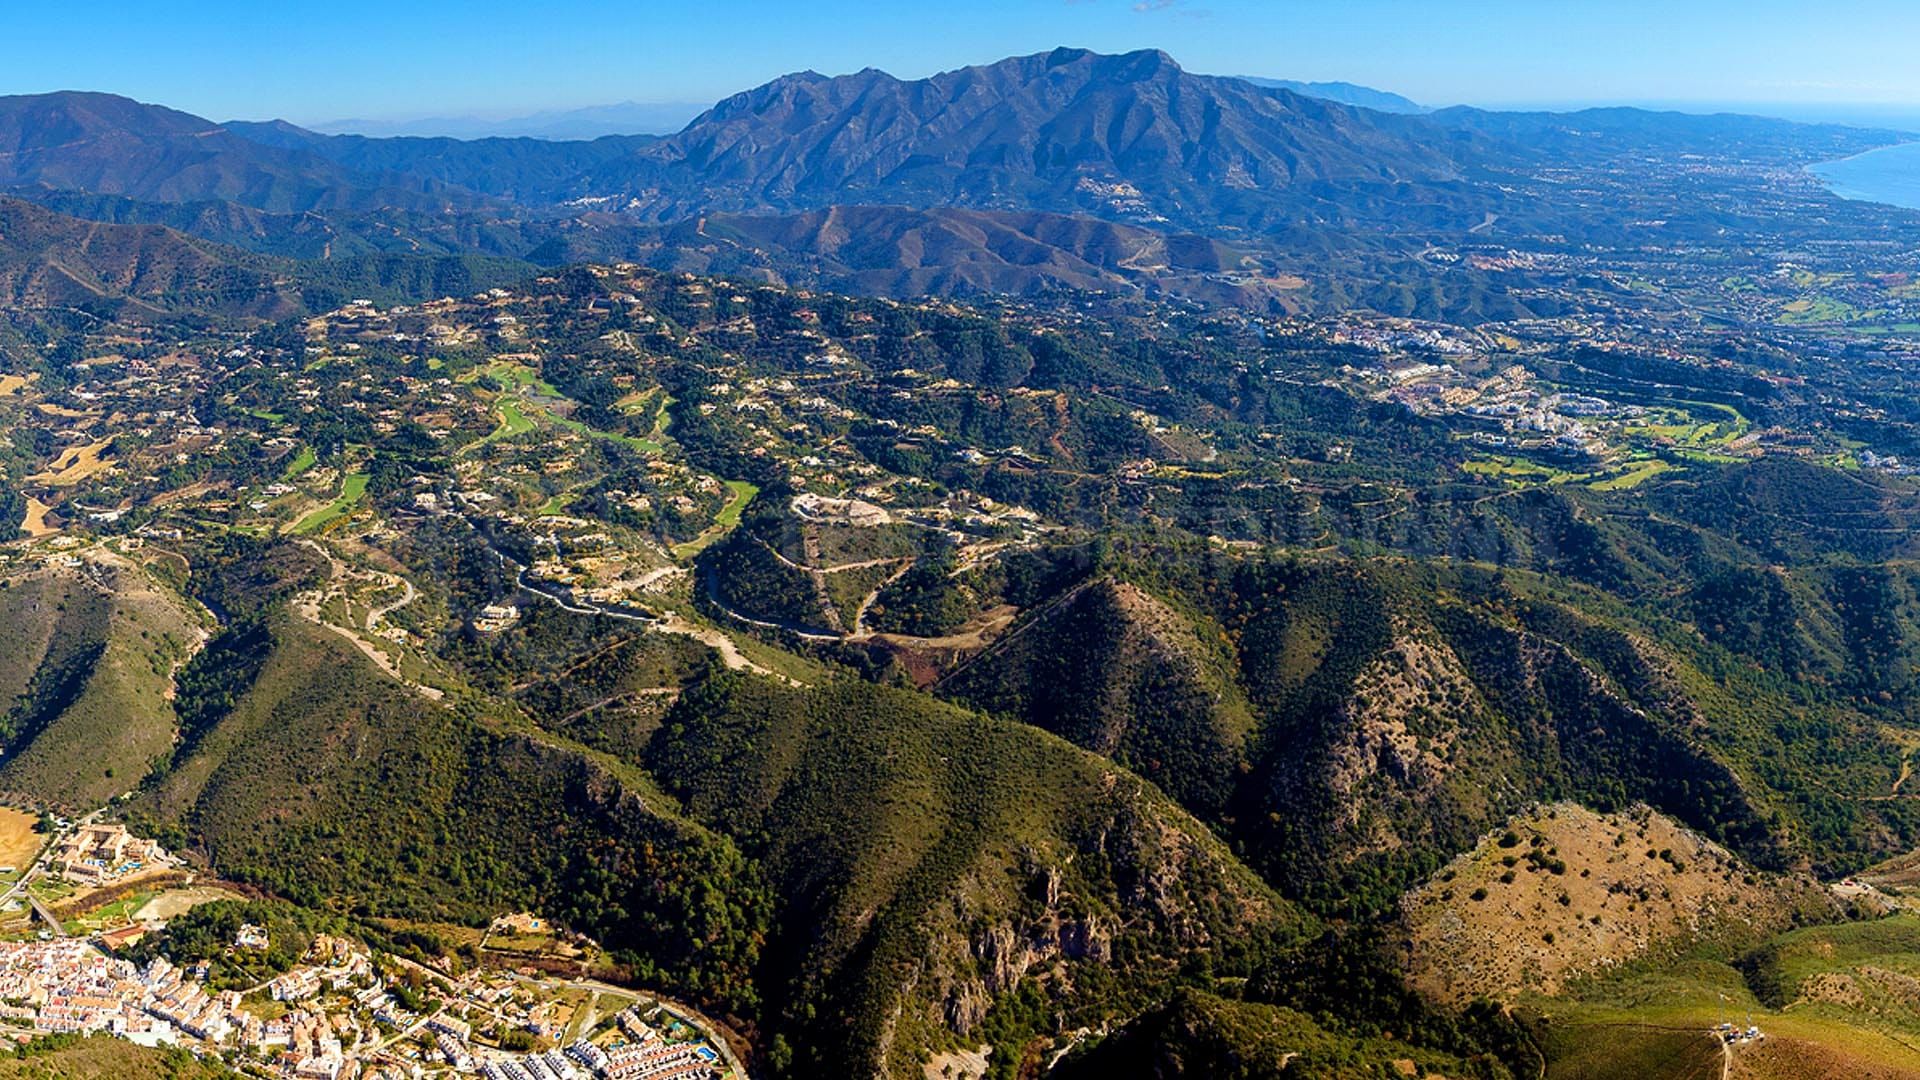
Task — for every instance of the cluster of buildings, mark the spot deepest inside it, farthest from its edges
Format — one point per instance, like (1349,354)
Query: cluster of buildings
(1887,463)
(94,855)
(638,1052)
(68,986)
(334,1018)
(640,1055)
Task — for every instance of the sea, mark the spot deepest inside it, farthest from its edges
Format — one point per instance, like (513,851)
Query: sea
(1890,174)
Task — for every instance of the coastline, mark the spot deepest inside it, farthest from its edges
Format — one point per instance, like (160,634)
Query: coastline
(1898,185)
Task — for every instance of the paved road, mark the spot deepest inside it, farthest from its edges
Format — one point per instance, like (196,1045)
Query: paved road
(19,888)
(41,910)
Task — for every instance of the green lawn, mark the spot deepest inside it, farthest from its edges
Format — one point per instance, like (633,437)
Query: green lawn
(1519,470)
(743,494)
(351,492)
(512,421)
(510,376)
(1817,309)
(1643,1020)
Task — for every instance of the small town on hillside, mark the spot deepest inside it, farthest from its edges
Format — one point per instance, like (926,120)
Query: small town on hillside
(342,1012)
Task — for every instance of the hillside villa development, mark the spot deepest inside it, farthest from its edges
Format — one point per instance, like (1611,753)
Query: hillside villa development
(336,1016)
(105,853)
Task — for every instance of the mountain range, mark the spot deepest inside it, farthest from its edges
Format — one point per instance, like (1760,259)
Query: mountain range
(1298,186)
(1068,567)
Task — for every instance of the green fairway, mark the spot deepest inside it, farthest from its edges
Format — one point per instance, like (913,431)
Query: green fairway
(1633,477)
(301,462)
(512,422)
(1519,470)
(1814,310)
(743,494)
(724,522)
(351,492)
(645,446)
(510,376)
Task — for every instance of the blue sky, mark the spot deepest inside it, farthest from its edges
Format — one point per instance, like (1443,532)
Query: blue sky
(350,58)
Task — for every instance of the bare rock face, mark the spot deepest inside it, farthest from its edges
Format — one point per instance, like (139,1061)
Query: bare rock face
(1003,957)
(1401,724)
(1159,865)
(966,1006)
(1089,940)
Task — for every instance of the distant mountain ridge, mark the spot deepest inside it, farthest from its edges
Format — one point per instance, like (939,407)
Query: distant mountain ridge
(524,170)
(590,122)
(900,252)
(1345,93)
(1130,137)
(52,260)
(115,146)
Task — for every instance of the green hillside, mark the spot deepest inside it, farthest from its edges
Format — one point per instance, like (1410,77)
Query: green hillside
(329,783)
(931,862)
(87,672)
(102,1057)
(1197,1035)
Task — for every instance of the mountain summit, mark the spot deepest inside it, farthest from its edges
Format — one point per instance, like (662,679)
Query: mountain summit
(1131,136)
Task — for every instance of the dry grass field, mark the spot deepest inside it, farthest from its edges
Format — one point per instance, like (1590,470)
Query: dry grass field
(174,902)
(19,843)
(1565,892)
(35,524)
(75,463)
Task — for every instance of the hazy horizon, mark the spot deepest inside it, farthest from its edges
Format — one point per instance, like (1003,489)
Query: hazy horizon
(671,116)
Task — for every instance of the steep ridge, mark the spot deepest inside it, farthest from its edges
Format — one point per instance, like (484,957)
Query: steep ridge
(51,260)
(930,863)
(523,170)
(1350,734)
(897,251)
(316,776)
(1197,1035)
(87,677)
(1119,672)
(866,873)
